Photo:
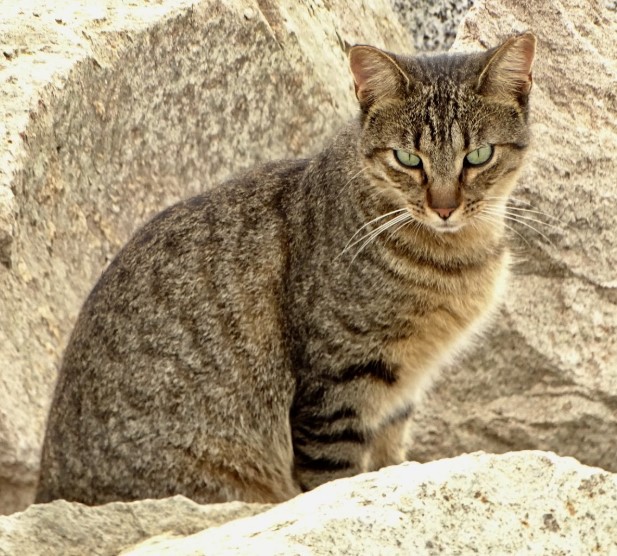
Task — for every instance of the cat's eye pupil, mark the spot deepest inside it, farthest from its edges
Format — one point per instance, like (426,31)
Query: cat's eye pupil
(480,155)
(408,159)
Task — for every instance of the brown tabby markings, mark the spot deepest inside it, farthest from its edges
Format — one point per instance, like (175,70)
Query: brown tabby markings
(275,332)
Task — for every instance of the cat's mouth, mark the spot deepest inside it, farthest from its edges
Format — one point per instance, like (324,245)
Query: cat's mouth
(444,223)
(451,224)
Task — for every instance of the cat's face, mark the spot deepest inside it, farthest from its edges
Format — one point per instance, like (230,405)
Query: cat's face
(444,137)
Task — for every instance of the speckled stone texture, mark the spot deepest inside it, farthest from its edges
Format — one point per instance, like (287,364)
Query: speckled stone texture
(524,503)
(110,111)
(545,377)
(68,529)
(432,23)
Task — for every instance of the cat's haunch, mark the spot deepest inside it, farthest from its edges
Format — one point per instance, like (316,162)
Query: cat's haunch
(275,332)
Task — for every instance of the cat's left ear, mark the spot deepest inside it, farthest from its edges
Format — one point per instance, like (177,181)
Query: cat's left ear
(507,74)
(377,75)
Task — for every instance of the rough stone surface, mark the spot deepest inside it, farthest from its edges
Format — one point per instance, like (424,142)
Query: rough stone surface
(524,503)
(433,23)
(110,111)
(70,529)
(546,376)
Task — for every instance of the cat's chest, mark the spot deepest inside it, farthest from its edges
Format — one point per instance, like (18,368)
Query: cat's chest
(437,336)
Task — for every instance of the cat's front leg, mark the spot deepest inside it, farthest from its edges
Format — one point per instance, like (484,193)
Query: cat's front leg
(391,441)
(329,446)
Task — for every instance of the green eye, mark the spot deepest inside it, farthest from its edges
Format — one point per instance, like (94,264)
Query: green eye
(480,156)
(408,159)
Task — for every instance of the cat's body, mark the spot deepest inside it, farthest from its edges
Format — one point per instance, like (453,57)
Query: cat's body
(242,347)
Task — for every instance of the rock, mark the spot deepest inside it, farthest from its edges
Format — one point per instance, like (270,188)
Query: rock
(517,503)
(111,113)
(432,23)
(546,376)
(71,529)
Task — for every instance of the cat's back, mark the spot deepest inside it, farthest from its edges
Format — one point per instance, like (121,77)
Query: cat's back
(198,261)
(196,291)
(228,243)
(216,232)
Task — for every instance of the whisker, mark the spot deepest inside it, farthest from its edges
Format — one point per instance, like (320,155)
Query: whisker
(377,232)
(414,223)
(508,198)
(382,228)
(347,245)
(401,226)
(474,223)
(546,214)
(521,201)
(521,217)
(493,220)
(538,212)
(535,211)
(363,169)
(512,219)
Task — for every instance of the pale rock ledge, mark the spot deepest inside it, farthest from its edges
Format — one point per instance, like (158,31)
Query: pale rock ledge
(524,503)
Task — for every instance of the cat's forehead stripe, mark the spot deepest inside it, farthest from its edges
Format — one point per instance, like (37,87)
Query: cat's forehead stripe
(440,124)
(456,136)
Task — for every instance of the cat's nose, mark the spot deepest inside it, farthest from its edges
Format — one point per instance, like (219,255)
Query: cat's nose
(443,199)
(444,213)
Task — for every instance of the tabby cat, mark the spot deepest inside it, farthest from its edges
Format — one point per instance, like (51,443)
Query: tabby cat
(275,332)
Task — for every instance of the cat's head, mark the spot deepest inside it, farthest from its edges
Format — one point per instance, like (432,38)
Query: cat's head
(445,136)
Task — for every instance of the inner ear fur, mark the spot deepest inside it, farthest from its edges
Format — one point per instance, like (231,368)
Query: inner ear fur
(507,73)
(377,75)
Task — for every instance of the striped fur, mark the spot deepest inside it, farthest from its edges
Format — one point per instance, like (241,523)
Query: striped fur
(276,332)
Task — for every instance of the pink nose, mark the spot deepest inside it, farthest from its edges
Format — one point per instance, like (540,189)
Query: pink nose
(444,213)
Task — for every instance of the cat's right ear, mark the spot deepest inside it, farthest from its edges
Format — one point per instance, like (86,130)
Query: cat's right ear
(507,74)
(376,75)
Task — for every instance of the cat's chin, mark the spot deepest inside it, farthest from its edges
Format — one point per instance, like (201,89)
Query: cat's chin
(447,227)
